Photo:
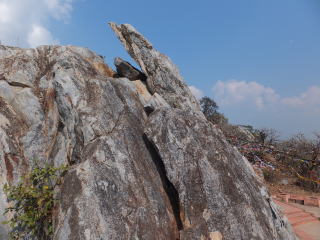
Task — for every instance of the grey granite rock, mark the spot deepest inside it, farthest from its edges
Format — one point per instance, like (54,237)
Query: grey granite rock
(217,188)
(143,165)
(162,75)
(76,114)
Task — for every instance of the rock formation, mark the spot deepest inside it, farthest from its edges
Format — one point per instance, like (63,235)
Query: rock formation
(144,162)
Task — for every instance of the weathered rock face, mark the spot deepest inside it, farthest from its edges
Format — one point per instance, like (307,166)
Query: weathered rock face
(144,162)
(77,115)
(162,75)
(217,187)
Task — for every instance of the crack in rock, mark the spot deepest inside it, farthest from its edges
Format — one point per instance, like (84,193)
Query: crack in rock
(170,189)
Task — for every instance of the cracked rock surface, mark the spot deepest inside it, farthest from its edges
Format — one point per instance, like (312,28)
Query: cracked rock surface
(144,162)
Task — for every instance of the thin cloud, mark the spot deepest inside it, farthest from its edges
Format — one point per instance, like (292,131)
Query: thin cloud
(23,23)
(307,99)
(235,92)
(40,36)
(253,103)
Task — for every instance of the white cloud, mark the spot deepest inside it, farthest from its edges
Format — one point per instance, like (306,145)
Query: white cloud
(4,13)
(60,9)
(309,98)
(196,92)
(253,103)
(40,36)
(234,91)
(23,23)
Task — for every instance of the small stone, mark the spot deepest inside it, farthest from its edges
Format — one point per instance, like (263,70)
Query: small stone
(284,181)
(125,69)
(215,235)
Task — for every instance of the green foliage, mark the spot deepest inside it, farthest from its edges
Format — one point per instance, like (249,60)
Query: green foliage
(32,201)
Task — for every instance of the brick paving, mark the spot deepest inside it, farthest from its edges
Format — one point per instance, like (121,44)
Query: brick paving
(305,224)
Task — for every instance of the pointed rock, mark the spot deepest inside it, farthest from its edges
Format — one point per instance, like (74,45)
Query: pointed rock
(163,76)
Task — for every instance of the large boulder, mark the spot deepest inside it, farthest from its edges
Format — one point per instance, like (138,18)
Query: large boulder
(144,162)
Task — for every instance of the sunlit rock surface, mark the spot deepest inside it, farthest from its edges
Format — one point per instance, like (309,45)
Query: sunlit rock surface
(144,162)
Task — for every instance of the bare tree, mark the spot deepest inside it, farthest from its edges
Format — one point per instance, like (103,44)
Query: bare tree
(210,109)
(267,135)
(316,147)
(208,106)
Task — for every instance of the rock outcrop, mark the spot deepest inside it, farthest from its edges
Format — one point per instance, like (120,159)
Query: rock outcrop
(162,75)
(144,162)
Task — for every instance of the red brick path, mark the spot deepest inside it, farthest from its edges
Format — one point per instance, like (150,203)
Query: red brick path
(298,217)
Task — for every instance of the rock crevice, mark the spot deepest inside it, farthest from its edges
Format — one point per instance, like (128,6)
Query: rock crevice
(170,189)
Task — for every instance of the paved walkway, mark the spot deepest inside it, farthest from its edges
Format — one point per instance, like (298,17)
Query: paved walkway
(304,220)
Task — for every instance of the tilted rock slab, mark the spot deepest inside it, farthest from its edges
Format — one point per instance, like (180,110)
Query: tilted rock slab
(144,162)
(162,75)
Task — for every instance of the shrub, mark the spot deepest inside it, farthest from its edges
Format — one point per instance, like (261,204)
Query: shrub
(270,175)
(32,201)
(308,185)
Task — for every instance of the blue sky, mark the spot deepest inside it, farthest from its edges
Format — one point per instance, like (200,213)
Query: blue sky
(259,59)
